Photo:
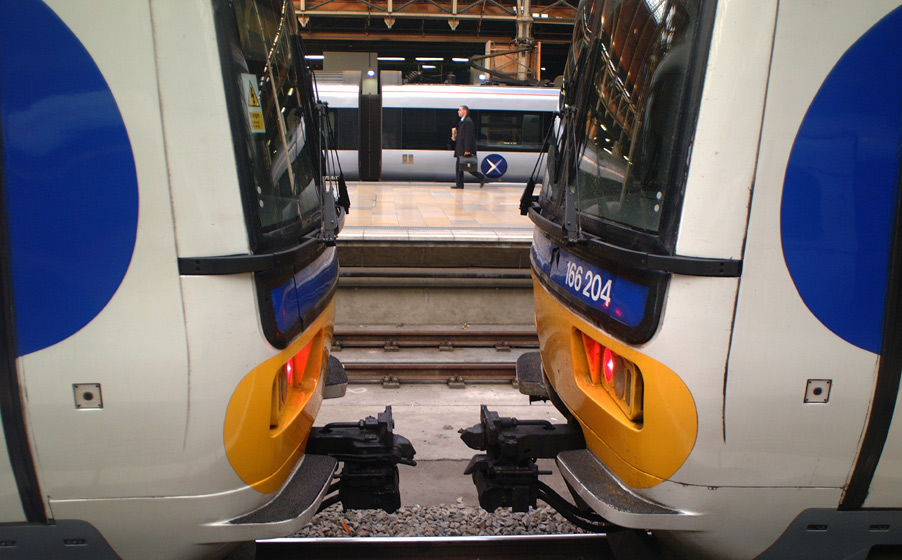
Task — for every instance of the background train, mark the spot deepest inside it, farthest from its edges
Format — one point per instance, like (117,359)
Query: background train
(403,132)
(168,272)
(717,267)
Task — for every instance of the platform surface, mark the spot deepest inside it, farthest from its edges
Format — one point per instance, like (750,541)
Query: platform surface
(435,211)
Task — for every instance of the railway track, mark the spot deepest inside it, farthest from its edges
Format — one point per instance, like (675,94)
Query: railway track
(545,547)
(500,338)
(394,355)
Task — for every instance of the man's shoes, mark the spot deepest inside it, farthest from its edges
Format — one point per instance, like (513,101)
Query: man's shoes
(481,183)
(456,187)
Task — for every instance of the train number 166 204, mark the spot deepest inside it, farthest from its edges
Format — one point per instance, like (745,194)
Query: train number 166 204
(588,283)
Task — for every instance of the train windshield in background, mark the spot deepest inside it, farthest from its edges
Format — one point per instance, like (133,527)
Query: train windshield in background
(630,67)
(283,161)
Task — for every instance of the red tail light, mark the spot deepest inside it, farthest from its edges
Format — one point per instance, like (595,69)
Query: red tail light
(619,377)
(609,365)
(593,355)
(287,382)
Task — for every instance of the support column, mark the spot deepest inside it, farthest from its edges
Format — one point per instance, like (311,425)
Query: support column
(524,37)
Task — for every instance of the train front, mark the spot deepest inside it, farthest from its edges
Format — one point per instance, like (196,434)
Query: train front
(700,144)
(169,272)
(603,264)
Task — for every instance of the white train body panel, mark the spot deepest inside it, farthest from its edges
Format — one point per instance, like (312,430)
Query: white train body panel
(439,166)
(736,73)
(208,221)
(153,382)
(770,311)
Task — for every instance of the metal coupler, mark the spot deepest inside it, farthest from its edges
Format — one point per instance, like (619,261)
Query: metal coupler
(507,474)
(370,453)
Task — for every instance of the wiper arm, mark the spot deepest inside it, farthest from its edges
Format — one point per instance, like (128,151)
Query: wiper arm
(571,226)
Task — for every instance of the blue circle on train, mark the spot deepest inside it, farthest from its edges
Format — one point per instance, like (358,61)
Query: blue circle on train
(840,188)
(494,166)
(70,182)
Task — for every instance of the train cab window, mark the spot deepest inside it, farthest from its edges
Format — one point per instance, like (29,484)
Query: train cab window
(265,71)
(634,66)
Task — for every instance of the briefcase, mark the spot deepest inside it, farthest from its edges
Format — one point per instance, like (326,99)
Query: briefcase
(468,163)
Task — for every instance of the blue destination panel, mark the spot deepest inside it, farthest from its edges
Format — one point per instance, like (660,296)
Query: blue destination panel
(295,298)
(616,297)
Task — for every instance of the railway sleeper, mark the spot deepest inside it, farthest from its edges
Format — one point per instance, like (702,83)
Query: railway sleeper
(507,474)
(370,453)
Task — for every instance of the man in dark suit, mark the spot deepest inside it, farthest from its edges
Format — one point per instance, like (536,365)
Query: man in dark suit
(464,136)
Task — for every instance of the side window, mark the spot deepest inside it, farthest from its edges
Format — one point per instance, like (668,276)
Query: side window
(343,129)
(511,129)
(391,128)
(427,129)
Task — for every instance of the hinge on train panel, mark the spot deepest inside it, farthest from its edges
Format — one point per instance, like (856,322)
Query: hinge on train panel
(507,474)
(371,453)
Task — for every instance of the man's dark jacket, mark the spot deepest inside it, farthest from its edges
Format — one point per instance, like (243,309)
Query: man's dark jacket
(466,137)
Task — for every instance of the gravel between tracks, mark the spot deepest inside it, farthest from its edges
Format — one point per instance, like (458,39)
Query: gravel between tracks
(447,520)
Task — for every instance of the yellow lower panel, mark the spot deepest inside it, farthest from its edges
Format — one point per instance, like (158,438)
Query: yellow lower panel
(272,409)
(641,455)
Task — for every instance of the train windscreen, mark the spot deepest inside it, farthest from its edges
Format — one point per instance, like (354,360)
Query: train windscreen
(267,72)
(628,75)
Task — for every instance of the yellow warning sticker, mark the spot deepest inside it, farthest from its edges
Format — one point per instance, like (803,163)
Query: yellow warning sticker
(257,122)
(251,101)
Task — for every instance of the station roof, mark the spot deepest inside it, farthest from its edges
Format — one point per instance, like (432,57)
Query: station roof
(438,28)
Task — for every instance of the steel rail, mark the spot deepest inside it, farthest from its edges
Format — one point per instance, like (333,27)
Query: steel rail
(445,339)
(534,547)
(392,374)
(431,366)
